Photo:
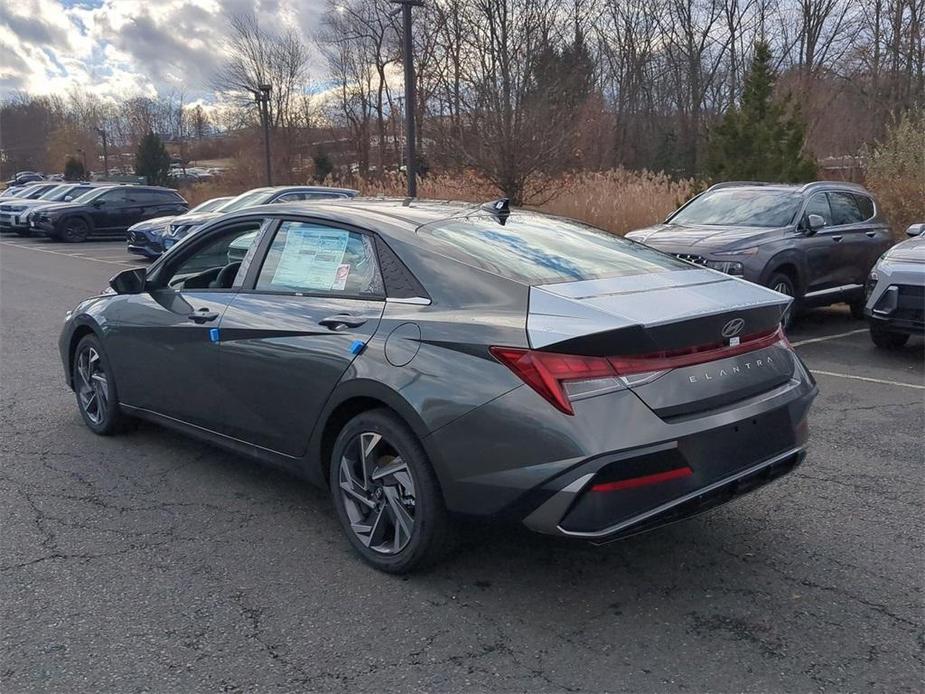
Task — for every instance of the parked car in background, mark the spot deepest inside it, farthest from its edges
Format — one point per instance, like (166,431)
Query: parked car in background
(14,214)
(420,360)
(109,211)
(147,238)
(32,190)
(258,196)
(896,292)
(24,177)
(815,242)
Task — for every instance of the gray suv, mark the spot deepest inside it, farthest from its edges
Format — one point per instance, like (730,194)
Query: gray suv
(815,242)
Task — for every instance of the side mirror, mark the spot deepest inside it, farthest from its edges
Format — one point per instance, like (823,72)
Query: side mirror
(814,222)
(915,230)
(129,281)
(67,198)
(98,203)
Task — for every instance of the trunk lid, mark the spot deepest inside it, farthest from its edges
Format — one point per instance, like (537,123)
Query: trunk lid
(669,318)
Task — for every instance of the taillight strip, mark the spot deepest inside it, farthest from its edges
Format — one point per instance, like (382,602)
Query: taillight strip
(643,481)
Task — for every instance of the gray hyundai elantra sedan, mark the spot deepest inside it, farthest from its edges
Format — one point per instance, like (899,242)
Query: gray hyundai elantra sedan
(430,361)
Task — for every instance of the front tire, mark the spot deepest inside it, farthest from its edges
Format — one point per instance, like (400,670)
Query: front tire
(887,339)
(74,230)
(95,388)
(386,494)
(782,283)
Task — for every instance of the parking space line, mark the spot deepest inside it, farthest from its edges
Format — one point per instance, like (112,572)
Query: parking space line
(827,337)
(127,262)
(816,372)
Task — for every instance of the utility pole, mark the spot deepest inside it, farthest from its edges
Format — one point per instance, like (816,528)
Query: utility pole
(262,96)
(105,151)
(408,50)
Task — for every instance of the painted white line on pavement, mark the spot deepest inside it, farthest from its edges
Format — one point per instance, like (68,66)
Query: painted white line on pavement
(828,337)
(126,263)
(816,372)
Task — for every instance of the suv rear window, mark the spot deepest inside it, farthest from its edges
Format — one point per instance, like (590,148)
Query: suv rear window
(542,250)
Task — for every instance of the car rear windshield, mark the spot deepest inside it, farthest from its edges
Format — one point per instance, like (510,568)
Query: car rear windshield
(542,250)
(738,207)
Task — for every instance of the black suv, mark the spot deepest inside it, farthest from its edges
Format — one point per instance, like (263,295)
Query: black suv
(106,212)
(815,242)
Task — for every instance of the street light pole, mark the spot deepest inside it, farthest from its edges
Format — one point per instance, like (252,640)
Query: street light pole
(408,50)
(262,97)
(105,151)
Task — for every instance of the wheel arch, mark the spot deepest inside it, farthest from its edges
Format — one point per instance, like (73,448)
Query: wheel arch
(81,330)
(787,264)
(348,401)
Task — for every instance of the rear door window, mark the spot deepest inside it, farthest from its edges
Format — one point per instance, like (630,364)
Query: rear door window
(317,259)
(844,209)
(865,205)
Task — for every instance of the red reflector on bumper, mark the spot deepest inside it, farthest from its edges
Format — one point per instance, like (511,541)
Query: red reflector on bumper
(634,482)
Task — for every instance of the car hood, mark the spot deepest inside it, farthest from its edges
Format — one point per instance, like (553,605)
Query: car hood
(156,223)
(198,218)
(58,206)
(909,251)
(703,238)
(24,204)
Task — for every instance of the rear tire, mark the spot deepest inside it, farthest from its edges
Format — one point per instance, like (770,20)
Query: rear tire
(95,388)
(887,339)
(387,496)
(782,283)
(857,309)
(74,230)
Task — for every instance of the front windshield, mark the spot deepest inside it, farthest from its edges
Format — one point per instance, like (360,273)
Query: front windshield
(55,193)
(91,194)
(248,199)
(212,205)
(741,207)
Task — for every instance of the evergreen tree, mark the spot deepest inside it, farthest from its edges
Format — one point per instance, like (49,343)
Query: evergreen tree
(323,165)
(152,160)
(74,170)
(762,139)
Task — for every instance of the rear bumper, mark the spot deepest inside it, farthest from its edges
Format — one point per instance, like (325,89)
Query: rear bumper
(557,516)
(616,468)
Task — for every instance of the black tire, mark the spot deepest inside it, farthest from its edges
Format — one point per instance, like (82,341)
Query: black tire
(887,339)
(95,388)
(370,505)
(857,309)
(782,283)
(74,230)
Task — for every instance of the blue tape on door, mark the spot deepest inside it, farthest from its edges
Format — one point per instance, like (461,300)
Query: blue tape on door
(213,335)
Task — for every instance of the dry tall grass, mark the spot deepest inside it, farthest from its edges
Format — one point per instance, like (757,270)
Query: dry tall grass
(617,200)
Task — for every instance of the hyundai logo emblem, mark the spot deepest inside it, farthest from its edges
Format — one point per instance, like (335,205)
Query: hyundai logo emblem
(733,327)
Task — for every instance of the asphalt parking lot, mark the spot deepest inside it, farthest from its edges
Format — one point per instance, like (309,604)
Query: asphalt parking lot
(149,562)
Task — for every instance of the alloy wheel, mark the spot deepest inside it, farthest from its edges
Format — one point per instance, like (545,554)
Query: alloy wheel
(93,385)
(783,288)
(378,493)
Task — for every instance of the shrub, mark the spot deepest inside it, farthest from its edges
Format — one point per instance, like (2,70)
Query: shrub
(895,171)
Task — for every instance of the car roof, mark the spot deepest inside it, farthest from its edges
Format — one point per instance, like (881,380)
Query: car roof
(792,187)
(396,215)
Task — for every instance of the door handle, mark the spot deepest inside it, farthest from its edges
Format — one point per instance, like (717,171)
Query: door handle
(836,239)
(870,234)
(203,315)
(341,321)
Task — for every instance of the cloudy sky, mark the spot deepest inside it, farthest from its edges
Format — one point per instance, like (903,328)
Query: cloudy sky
(127,47)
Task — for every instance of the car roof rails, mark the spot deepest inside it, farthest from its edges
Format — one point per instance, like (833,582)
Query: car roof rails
(500,209)
(736,184)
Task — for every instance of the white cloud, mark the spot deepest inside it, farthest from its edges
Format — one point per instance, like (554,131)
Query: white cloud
(118,48)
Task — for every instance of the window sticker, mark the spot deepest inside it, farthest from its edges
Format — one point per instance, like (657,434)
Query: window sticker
(340,280)
(312,258)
